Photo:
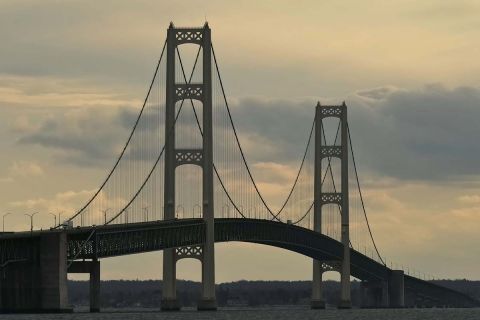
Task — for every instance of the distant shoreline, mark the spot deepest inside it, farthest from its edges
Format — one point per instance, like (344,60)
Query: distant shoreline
(146,294)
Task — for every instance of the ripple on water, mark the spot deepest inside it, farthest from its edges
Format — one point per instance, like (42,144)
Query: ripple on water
(266,314)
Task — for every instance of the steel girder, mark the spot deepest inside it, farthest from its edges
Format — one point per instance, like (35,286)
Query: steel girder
(17,249)
(118,240)
(109,241)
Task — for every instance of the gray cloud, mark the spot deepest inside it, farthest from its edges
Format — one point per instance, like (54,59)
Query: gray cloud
(85,137)
(425,134)
(77,40)
(272,129)
(431,133)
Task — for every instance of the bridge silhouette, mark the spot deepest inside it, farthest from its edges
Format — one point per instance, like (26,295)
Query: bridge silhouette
(182,182)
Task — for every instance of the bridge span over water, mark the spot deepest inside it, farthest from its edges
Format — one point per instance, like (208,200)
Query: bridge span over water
(182,182)
(84,246)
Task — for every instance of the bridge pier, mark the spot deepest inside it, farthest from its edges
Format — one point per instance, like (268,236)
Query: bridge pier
(92,268)
(317,301)
(169,289)
(20,288)
(95,286)
(345,293)
(208,301)
(53,271)
(384,294)
(374,294)
(396,289)
(39,283)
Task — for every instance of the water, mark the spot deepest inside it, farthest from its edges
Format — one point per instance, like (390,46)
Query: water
(265,314)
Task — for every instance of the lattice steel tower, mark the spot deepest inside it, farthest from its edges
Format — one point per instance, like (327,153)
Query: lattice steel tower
(202,157)
(340,198)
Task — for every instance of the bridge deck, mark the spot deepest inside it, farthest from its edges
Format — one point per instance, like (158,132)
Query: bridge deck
(118,240)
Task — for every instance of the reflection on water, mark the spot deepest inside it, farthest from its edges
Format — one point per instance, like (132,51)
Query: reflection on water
(266,313)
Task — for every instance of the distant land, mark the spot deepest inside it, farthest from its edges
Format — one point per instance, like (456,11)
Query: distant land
(147,294)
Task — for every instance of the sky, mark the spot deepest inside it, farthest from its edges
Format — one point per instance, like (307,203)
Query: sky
(408,70)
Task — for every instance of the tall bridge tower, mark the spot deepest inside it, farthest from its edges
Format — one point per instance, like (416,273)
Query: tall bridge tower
(203,157)
(340,198)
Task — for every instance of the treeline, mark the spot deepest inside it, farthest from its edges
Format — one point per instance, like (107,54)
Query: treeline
(471,288)
(147,294)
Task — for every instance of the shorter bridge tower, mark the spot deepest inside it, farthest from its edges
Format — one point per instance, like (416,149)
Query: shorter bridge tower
(203,157)
(339,198)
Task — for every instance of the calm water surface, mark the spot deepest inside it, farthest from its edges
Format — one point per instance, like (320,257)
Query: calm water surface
(270,313)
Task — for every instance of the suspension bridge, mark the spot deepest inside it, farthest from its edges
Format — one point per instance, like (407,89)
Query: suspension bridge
(182,182)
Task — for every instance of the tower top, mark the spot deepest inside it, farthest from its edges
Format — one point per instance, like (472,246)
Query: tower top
(172,26)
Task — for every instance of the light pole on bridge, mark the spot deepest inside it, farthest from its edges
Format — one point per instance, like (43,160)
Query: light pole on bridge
(54,218)
(105,214)
(3,220)
(145,213)
(60,217)
(31,219)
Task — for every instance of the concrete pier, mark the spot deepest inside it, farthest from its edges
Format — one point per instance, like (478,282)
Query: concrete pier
(396,289)
(95,286)
(374,294)
(317,301)
(39,283)
(93,269)
(384,294)
(53,272)
(169,300)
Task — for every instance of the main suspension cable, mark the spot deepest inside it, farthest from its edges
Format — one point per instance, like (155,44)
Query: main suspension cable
(170,130)
(329,169)
(201,133)
(273,214)
(128,140)
(361,197)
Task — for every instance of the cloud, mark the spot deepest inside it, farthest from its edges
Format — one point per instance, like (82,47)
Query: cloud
(470,199)
(377,93)
(48,91)
(89,136)
(408,134)
(422,134)
(428,133)
(26,169)
(84,137)
(63,204)
(273,130)
(274,172)
(404,226)
(23,169)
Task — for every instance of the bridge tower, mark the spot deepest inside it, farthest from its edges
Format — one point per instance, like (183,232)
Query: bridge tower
(202,157)
(339,198)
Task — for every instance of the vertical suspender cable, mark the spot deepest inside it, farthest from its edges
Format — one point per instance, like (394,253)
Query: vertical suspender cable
(361,197)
